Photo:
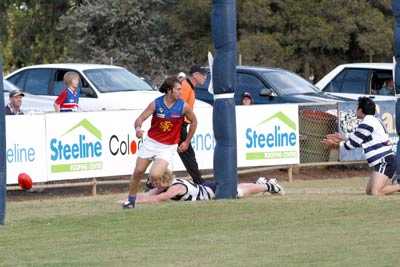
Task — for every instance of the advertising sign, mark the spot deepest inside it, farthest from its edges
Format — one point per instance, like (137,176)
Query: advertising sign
(65,146)
(203,141)
(25,148)
(120,142)
(74,145)
(267,135)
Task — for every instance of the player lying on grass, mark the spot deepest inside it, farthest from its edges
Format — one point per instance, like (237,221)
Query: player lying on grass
(372,136)
(167,187)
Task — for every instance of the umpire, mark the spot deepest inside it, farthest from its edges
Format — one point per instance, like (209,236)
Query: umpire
(197,75)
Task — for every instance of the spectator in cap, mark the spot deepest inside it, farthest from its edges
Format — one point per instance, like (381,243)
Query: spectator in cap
(246,99)
(15,101)
(197,75)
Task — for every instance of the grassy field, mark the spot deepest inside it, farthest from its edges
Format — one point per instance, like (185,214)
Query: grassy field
(318,223)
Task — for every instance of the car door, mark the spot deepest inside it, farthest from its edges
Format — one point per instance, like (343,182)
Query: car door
(88,97)
(250,82)
(350,83)
(36,82)
(382,85)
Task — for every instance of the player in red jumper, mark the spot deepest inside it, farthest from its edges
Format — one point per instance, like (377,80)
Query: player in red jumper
(168,113)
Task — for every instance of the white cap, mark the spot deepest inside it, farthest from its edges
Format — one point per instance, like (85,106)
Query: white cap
(181,75)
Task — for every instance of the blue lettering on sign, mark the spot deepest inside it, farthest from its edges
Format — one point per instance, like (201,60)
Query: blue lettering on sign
(18,154)
(275,139)
(80,149)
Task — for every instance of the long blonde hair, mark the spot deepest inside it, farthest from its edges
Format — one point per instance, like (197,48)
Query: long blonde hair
(69,76)
(166,178)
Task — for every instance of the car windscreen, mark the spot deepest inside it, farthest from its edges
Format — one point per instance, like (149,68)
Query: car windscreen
(116,80)
(8,87)
(288,83)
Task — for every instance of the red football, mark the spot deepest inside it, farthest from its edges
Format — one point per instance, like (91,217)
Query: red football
(24,181)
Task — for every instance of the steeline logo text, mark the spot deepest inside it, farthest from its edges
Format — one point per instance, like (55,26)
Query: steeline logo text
(273,138)
(86,147)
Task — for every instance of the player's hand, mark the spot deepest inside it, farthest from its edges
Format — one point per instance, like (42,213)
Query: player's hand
(139,133)
(183,146)
(333,140)
(337,137)
(330,143)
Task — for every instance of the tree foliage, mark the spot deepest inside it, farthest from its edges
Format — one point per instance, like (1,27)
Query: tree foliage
(131,33)
(156,37)
(312,36)
(31,35)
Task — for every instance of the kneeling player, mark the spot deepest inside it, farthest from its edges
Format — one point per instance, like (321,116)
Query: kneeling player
(372,136)
(168,188)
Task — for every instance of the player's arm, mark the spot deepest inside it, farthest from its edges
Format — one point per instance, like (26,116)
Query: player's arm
(142,117)
(189,114)
(165,196)
(185,93)
(360,135)
(56,107)
(59,100)
(190,99)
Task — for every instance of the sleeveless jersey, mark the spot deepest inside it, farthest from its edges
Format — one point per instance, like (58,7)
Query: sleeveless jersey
(166,122)
(193,191)
(68,100)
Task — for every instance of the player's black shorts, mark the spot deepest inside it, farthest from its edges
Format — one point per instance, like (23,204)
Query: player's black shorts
(211,184)
(387,166)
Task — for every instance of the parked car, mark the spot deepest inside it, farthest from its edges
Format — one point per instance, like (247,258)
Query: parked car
(359,79)
(103,87)
(30,103)
(271,86)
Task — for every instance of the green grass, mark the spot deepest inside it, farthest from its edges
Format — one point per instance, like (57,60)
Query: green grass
(318,223)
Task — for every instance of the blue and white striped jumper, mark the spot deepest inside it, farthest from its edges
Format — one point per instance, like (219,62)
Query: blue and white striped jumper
(372,136)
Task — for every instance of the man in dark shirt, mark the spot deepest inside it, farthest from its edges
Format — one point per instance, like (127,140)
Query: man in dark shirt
(197,75)
(15,101)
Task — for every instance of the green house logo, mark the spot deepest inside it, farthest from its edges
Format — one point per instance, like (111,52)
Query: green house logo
(88,126)
(273,138)
(82,154)
(283,118)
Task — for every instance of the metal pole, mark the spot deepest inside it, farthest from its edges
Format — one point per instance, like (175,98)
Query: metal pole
(3,172)
(396,73)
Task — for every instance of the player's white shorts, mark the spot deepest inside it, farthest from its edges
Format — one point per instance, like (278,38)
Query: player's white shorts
(151,149)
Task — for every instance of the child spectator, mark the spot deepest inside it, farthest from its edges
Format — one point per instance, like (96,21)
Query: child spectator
(68,99)
(246,99)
